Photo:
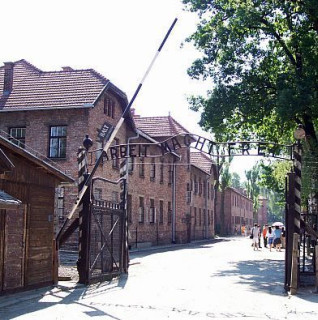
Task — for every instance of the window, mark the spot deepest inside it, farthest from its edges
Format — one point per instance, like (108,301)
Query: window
(97,193)
(161,172)
(131,162)
(115,197)
(57,142)
(142,168)
(204,189)
(170,175)
(195,185)
(169,212)
(160,211)
(188,193)
(141,215)
(60,203)
(195,216)
(152,170)
(109,107)
(200,216)
(17,136)
(200,186)
(152,211)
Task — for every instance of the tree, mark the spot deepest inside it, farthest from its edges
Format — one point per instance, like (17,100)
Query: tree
(253,189)
(262,57)
(225,179)
(236,181)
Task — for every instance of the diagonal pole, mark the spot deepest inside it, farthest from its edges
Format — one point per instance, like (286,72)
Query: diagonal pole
(113,135)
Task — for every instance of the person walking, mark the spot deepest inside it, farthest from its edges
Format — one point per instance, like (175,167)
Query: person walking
(265,228)
(259,236)
(283,238)
(270,238)
(277,238)
(255,236)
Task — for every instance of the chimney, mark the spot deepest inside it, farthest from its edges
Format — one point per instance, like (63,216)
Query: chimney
(8,78)
(67,69)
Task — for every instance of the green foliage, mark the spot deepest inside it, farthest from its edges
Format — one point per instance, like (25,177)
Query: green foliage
(225,180)
(252,185)
(272,180)
(236,180)
(309,175)
(273,175)
(263,59)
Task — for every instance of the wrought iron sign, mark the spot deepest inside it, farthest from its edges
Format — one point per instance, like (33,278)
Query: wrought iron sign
(214,149)
(104,132)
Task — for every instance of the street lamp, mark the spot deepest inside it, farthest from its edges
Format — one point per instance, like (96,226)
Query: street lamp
(87,142)
(299,133)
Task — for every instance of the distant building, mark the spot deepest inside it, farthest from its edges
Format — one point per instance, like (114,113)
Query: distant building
(238,212)
(262,218)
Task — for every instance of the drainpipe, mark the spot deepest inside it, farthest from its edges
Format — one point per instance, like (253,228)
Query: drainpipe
(174,202)
(126,189)
(206,207)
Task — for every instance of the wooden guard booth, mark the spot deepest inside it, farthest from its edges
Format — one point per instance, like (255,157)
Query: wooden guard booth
(27,193)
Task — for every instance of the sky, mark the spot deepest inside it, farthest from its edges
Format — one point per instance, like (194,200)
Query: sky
(118,39)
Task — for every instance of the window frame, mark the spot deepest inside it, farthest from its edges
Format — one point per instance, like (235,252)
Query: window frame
(142,168)
(153,170)
(19,141)
(109,106)
(61,142)
(152,211)
(141,210)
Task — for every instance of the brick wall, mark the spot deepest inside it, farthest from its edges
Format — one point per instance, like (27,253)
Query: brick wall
(238,211)
(80,122)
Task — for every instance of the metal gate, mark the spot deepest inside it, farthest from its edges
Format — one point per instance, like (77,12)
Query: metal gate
(301,241)
(106,241)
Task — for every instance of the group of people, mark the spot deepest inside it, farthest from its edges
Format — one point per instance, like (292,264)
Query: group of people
(274,237)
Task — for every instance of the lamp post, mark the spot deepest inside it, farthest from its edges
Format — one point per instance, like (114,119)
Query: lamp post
(299,133)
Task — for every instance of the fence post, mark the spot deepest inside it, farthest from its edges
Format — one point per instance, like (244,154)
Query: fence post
(295,265)
(84,239)
(55,263)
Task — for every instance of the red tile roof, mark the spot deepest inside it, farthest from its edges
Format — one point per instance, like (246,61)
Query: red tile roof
(159,126)
(34,88)
(201,160)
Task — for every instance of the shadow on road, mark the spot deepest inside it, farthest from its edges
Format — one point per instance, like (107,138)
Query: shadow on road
(265,275)
(173,247)
(61,295)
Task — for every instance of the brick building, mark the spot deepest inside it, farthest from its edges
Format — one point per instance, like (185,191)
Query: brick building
(262,211)
(170,197)
(238,211)
(190,182)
